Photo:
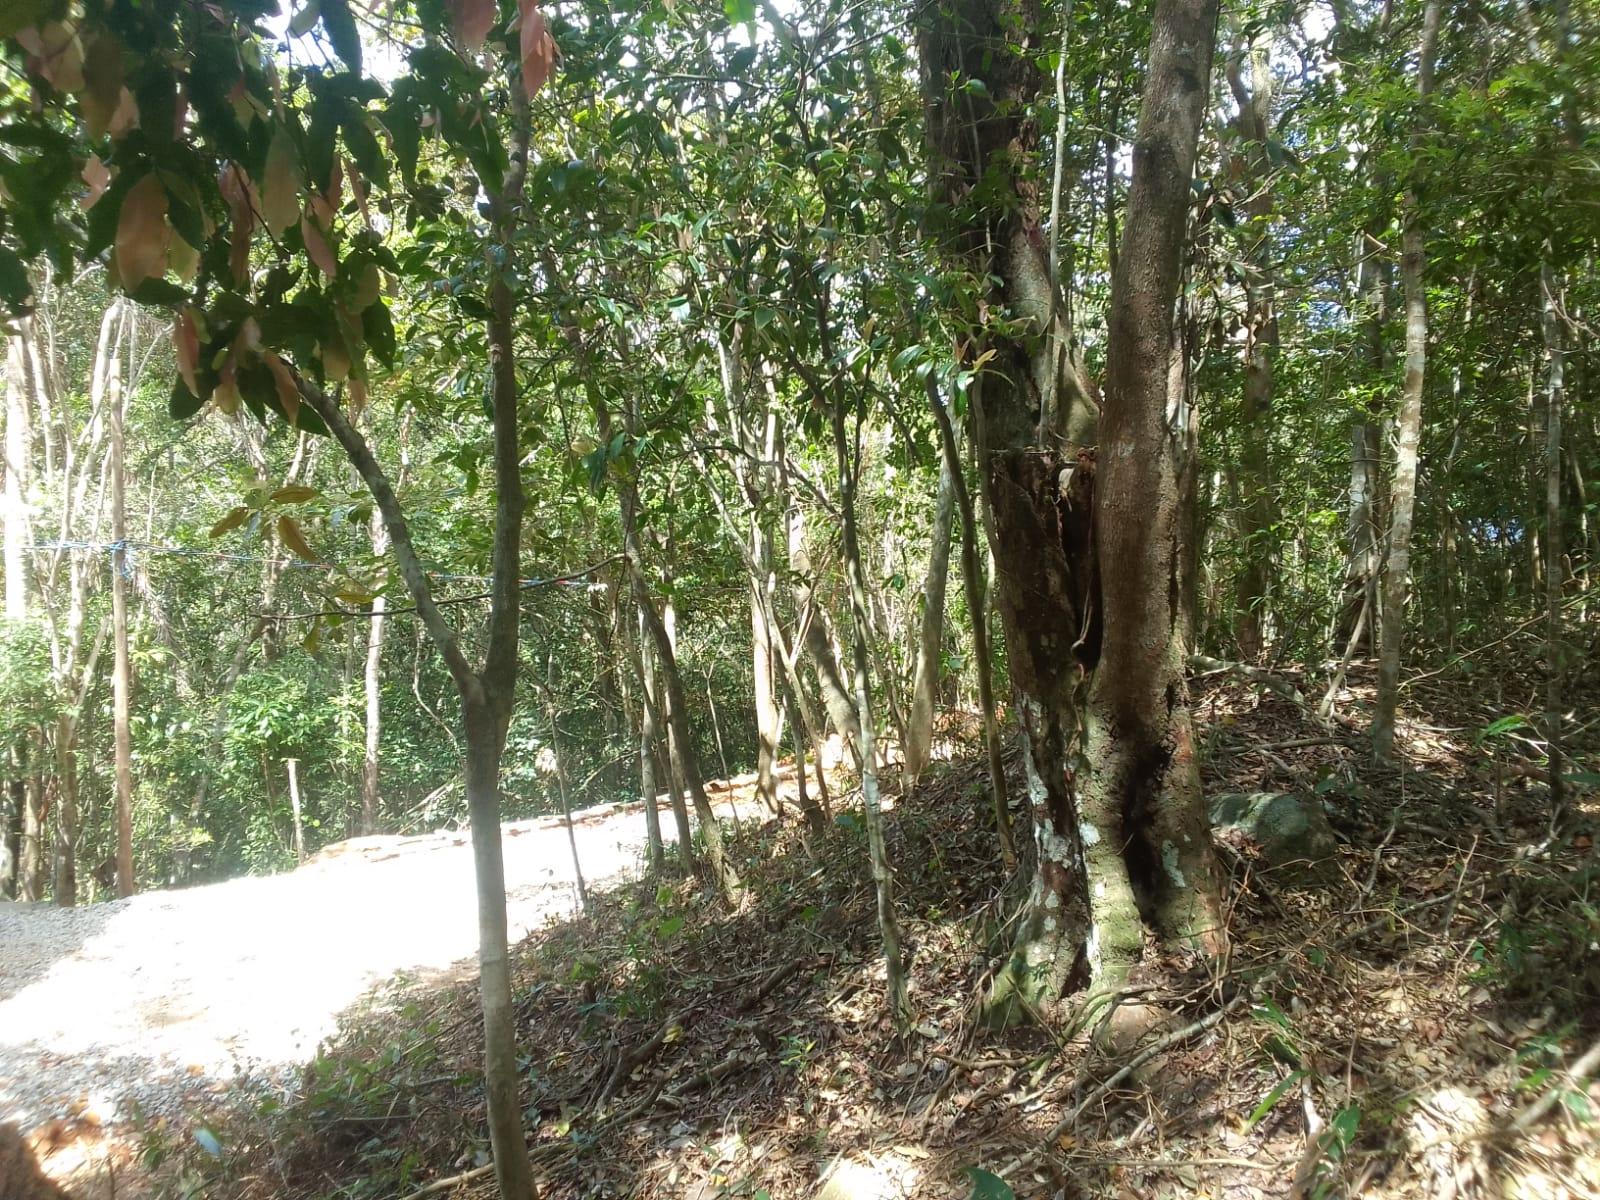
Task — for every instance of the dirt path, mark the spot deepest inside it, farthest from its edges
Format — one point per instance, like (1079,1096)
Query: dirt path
(131,1006)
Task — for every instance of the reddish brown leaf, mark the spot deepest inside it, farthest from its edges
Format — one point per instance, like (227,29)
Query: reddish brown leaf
(226,394)
(289,534)
(98,176)
(538,47)
(102,93)
(55,54)
(472,20)
(142,233)
(288,390)
(233,520)
(126,116)
(186,344)
(317,248)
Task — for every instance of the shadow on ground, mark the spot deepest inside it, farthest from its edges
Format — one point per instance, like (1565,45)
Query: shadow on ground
(1379,1033)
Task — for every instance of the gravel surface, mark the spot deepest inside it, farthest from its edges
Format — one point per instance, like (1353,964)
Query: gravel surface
(134,1005)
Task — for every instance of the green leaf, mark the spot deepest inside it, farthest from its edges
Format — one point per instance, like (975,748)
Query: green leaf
(740,12)
(1502,725)
(19,14)
(668,927)
(1272,1097)
(988,1186)
(14,286)
(341,29)
(1342,1130)
(183,403)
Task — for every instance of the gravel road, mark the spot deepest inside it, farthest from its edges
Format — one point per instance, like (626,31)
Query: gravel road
(136,1004)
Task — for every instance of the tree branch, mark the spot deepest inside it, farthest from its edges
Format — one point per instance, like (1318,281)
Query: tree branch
(394,520)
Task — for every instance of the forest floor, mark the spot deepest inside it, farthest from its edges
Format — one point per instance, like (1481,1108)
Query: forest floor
(120,1015)
(1403,1029)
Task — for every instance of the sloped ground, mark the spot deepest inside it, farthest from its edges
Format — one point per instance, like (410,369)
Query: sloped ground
(1380,1035)
(137,1010)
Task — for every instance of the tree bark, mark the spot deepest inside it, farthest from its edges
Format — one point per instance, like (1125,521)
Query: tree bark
(487,693)
(978,610)
(1554,536)
(650,734)
(1403,496)
(877,851)
(18,460)
(680,739)
(1144,786)
(1087,554)
(122,672)
(372,687)
(655,850)
(1258,513)
(930,639)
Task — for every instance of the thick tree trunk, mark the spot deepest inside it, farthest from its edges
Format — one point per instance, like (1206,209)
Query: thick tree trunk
(930,639)
(1403,497)
(650,747)
(1145,780)
(1085,543)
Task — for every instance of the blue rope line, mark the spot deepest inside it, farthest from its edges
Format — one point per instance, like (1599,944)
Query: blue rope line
(130,547)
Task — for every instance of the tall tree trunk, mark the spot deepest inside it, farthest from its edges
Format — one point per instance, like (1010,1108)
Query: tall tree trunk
(755,427)
(650,734)
(816,633)
(877,851)
(488,692)
(18,452)
(1403,497)
(680,739)
(655,850)
(1088,562)
(930,640)
(1258,515)
(1144,786)
(1554,537)
(372,687)
(1360,602)
(121,672)
(978,610)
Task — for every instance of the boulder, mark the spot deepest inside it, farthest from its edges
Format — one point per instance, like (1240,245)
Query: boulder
(1289,830)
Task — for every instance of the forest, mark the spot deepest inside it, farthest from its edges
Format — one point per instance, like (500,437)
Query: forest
(994,597)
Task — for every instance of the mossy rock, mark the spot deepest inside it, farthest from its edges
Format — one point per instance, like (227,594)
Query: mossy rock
(1290,831)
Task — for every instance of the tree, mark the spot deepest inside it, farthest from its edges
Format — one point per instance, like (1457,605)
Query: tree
(1086,543)
(1403,496)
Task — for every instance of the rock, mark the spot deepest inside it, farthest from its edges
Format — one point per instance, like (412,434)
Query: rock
(1290,830)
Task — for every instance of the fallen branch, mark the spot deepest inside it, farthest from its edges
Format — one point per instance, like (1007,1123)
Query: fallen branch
(1205,666)
(630,1060)
(1576,1073)
(773,980)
